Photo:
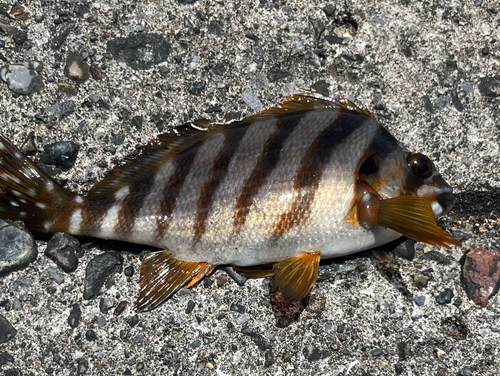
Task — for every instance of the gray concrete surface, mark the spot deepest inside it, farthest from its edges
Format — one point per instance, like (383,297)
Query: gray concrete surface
(428,69)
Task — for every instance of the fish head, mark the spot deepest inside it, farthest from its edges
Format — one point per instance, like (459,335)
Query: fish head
(392,171)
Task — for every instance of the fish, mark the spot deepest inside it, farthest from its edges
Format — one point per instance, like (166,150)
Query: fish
(271,195)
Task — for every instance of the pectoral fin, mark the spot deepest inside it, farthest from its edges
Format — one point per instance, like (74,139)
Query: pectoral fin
(162,276)
(411,216)
(297,276)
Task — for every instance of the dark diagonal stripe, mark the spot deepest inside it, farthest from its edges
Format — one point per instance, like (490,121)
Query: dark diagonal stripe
(233,137)
(266,164)
(93,213)
(307,180)
(132,203)
(172,189)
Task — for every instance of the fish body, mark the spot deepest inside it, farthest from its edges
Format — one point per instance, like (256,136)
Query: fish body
(301,179)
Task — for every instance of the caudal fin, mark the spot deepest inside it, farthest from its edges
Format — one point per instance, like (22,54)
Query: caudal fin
(30,195)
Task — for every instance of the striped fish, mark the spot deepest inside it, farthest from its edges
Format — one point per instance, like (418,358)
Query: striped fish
(307,180)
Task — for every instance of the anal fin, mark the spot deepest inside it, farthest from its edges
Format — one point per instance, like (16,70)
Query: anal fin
(162,276)
(296,276)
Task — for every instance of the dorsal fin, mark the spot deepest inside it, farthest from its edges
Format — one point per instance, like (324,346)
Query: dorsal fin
(150,157)
(298,102)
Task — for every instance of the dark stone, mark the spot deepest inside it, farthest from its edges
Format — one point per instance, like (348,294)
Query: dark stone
(406,51)
(252,37)
(490,86)
(140,51)
(276,74)
(129,271)
(82,366)
(190,307)
(90,335)
(321,87)
(215,27)
(442,102)
(7,331)
(403,351)
(377,352)
(213,109)
(105,304)
(378,101)
(237,308)
(137,122)
(333,39)
(75,316)
(312,353)
(60,154)
(58,40)
(61,110)
(61,249)
(485,51)
(197,88)
(269,358)
(353,57)
(98,270)
(406,250)
(445,296)
(195,344)
(5,358)
(258,339)
(437,257)
(20,37)
(17,247)
(2,43)
(132,320)
(164,71)
(76,68)
(419,300)
(329,10)
(318,27)
(13,372)
(427,104)
(455,100)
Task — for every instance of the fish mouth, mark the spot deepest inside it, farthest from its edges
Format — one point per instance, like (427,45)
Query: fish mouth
(444,203)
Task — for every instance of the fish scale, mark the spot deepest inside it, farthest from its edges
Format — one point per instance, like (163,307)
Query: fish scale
(280,190)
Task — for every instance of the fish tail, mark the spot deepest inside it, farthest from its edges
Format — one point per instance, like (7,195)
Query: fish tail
(28,194)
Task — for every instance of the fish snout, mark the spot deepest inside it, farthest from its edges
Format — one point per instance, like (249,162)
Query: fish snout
(446,200)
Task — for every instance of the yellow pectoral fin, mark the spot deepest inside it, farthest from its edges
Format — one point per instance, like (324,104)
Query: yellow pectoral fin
(162,276)
(297,276)
(413,217)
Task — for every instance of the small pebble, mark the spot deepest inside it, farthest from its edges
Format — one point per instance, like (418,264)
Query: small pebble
(445,296)
(61,249)
(61,155)
(197,88)
(99,269)
(23,78)
(76,68)
(251,100)
(17,247)
(75,316)
(7,331)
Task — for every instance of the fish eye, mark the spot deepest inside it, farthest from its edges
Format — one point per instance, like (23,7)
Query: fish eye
(421,166)
(369,166)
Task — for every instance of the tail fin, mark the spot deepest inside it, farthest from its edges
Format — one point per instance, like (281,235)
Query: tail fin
(30,195)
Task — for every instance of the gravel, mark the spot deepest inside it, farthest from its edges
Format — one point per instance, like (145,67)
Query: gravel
(429,72)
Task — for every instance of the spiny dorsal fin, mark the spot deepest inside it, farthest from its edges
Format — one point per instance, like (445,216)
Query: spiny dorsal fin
(150,157)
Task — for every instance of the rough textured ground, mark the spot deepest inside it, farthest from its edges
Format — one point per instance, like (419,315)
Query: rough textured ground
(428,69)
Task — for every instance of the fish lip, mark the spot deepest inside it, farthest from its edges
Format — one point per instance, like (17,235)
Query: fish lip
(446,200)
